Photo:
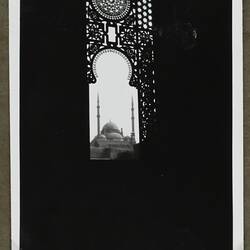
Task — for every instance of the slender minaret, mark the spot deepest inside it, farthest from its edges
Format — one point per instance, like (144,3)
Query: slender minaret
(133,122)
(98,115)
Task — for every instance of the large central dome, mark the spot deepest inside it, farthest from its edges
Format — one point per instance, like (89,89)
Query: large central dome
(110,127)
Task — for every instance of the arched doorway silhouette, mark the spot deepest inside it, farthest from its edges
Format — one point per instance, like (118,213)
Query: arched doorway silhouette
(113,103)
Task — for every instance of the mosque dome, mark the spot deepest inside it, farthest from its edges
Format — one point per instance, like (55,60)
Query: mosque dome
(102,137)
(114,136)
(110,127)
(111,132)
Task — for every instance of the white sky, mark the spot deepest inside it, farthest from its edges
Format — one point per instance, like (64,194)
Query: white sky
(115,95)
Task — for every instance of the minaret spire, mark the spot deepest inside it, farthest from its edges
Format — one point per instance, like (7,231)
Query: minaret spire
(133,121)
(98,115)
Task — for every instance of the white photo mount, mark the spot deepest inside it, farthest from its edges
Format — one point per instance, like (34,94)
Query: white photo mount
(14,59)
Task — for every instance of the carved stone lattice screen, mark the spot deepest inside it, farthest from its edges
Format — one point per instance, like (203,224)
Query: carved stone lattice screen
(125,26)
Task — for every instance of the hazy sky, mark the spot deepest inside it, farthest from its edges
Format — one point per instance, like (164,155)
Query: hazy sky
(115,95)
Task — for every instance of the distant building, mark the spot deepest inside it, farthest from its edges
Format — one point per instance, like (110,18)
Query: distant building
(110,143)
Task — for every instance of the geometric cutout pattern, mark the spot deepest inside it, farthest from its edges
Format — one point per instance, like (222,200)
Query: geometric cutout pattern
(132,37)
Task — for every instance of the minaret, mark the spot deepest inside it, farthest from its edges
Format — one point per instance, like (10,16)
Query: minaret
(133,122)
(98,115)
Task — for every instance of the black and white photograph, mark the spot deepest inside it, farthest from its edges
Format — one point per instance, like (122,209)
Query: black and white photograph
(126,125)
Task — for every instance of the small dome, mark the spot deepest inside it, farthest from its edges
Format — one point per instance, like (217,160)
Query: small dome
(110,127)
(114,136)
(103,137)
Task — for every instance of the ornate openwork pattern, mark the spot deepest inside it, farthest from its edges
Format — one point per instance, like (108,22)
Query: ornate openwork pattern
(112,9)
(130,22)
(144,10)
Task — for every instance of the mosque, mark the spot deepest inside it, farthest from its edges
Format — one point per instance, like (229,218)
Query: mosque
(110,143)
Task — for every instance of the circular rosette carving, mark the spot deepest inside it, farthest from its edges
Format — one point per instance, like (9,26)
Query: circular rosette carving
(112,9)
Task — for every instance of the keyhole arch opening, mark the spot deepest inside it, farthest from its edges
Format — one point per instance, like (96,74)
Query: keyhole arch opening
(111,52)
(113,72)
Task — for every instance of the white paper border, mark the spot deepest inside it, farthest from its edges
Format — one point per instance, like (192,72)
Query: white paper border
(238,158)
(14,71)
(14,52)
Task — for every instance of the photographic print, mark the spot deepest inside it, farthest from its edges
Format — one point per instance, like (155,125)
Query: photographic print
(128,125)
